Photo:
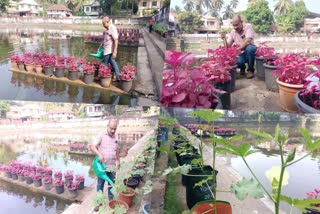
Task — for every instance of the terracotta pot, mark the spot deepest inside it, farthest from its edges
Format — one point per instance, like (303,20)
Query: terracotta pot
(127,197)
(286,95)
(29,67)
(112,204)
(223,207)
(38,69)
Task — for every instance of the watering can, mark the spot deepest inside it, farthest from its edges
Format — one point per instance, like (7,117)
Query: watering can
(99,169)
(99,54)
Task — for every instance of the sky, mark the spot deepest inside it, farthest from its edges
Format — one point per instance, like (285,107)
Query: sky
(312,5)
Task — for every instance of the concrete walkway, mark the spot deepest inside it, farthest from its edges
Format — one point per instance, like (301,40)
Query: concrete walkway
(155,50)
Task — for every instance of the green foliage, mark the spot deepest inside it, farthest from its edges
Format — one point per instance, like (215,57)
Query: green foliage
(301,204)
(162,28)
(189,21)
(260,17)
(293,20)
(3,4)
(107,6)
(247,187)
(207,115)
(147,188)
(4,108)
(100,198)
(166,3)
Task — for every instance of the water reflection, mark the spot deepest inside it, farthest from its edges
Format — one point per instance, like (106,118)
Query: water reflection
(25,87)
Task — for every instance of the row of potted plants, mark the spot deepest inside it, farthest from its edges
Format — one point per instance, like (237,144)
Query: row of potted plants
(59,65)
(78,147)
(201,196)
(295,76)
(194,129)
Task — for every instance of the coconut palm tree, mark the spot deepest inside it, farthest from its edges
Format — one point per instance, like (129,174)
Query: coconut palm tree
(233,4)
(80,3)
(282,7)
(228,13)
(189,5)
(252,3)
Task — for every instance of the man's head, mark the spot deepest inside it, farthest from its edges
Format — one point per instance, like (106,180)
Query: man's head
(112,127)
(237,23)
(106,21)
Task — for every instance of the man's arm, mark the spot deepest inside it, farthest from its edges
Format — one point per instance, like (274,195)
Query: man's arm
(115,50)
(94,148)
(245,43)
(226,42)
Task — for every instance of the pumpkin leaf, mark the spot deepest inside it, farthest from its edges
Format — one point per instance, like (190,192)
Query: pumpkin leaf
(247,187)
(301,204)
(207,115)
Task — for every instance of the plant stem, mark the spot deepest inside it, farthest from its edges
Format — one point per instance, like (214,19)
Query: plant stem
(265,190)
(283,167)
(298,159)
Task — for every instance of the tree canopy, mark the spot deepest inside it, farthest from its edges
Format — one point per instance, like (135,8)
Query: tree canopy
(189,21)
(3,4)
(260,16)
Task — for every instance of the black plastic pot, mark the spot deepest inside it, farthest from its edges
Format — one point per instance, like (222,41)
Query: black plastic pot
(14,176)
(48,71)
(48,186)
(29,180)
(73,192)
(270,79)
(303,107)
(81,185)
(37,183)
(59,189)
(59,72)
(131,182)
(226,97)
(21,177)
(73,75)
(8,174)
(202,193)
(233,73)
(260,68)
(88,78)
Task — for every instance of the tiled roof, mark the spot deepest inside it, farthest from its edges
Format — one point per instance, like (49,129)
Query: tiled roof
(59,7)
(28,2)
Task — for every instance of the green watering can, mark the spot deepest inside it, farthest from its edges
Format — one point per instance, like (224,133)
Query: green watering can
(99,169)
(99,54)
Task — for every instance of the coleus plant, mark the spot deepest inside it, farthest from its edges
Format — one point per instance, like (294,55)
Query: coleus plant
(184,85)
(69,175)
(88,68)
(104,71)
(293,68)
(47,179)
(266,52)
(128,72)
(58,182)
(314,194)
(73,185)
(79,178)
(57,174)
(72,66)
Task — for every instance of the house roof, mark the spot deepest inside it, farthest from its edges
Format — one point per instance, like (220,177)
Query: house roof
(59,7)
(93,3)
(29,2)
(312,15)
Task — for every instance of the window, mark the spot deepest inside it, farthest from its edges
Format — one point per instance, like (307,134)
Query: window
(87,9)
(90,109)
(154,3)
(144,4)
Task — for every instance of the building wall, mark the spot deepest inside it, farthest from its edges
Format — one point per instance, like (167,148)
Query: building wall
(147,6)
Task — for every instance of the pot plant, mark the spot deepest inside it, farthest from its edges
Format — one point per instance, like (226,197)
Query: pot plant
(264,54)
(13,58)
(88,73)
(48,64)
(59,185)
(127,74)
(105,75)
(68,177)
(47,183)
(184,85)
(73,71)
(37,180)
(72,188)
(293,71)
(38,59)
(80,180)
(28,62)
(59,70)
(58,174)
(315,195)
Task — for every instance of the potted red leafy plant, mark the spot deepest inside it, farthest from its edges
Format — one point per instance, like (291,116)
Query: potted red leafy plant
(20,62)
(58,174)
(105,75)
(73,71)
(37,180)
(59,184)
(315,194)
(127,74)
(308,99)
(184,85)
(47,182)
(59,71)
(38,59)
(68,176)
(28,62)
(88,73)
(293,70)
(13,58)
(264,54)
(48,64)
(73,187)
(80,180)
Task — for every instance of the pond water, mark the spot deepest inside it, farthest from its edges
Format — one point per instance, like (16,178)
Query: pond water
(62,42)
(303,176)
(44,152)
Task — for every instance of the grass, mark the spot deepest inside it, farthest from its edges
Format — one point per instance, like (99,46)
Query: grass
(172,203)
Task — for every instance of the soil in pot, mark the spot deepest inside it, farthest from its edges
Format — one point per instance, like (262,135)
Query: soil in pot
(127,196)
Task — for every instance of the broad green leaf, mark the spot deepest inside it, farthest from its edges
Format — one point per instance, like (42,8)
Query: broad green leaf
(222,150)
(247,187)
(291,156)
(236,138)
(203,181)
(301,204)
(260,134)
(196,161)
(245,150)
(310,144)
(274,173)
(207,115)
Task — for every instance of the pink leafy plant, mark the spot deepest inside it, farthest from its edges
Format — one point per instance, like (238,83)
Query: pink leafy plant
(104,71)
(128,72)
(88,69)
